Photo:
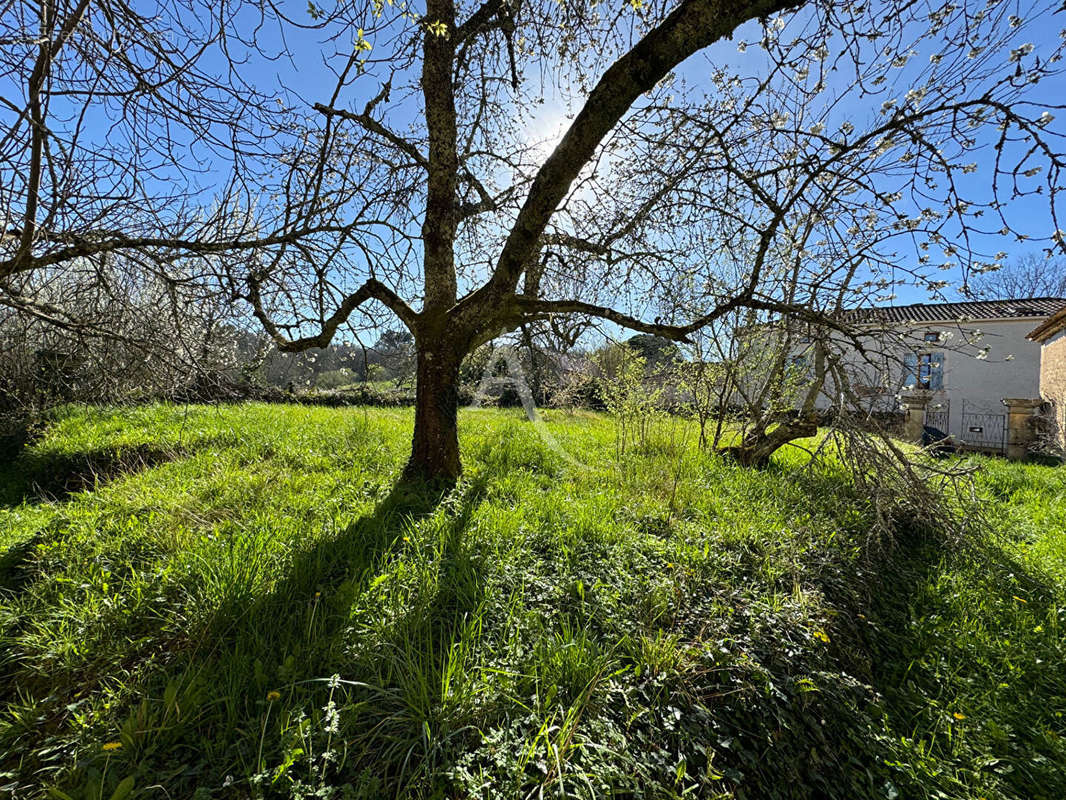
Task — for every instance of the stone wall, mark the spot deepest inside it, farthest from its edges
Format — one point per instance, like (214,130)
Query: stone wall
(1053,381)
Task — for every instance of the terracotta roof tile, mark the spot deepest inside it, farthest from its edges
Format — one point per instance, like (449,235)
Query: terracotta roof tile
(965,311)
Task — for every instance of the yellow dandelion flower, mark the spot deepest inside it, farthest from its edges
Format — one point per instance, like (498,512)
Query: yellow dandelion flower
(272,696)
(821,636)
(111,746)
(959,716)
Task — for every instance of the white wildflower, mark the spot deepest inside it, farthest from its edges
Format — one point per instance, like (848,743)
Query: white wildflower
(331,720)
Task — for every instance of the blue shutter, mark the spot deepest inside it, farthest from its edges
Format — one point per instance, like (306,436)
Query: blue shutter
(910,370)
(936,379)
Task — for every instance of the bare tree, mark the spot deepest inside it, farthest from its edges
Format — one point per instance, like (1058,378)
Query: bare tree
(824,170)
(1031,275)
(142,337)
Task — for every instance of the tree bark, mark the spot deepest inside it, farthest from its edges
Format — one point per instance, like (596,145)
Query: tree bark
(759,445)
(435,443)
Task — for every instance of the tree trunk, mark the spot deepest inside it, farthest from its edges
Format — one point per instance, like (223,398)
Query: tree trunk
(435,445)
(758,446)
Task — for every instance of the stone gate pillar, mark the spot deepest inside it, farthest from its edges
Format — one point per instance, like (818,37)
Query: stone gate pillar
(914,415)
(1021,414)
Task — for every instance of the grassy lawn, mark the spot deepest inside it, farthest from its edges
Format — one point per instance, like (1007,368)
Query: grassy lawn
(240,605)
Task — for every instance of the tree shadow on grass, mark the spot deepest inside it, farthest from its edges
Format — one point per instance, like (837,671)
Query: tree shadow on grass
(47,476)
(948,636)
(216,686)
(291,639)
(958,692)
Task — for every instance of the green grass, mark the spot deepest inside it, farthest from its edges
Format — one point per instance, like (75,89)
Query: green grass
(235,602)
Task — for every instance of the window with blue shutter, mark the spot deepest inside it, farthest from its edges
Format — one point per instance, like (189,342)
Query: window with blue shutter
(936,376)
(910,369)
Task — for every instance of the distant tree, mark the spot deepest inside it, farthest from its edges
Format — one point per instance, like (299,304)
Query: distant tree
(657,351)
(395,353)
(106,332)
(335,378)
(1031,275)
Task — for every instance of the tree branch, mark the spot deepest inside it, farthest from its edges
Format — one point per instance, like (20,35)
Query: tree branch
(370,124)
(692,26)
(373,289)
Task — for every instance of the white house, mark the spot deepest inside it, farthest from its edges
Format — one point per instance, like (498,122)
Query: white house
(967,357)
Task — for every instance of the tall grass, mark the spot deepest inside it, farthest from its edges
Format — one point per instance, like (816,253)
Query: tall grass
(238,602)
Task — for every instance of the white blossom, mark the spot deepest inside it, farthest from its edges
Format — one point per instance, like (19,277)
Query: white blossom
(1024,50)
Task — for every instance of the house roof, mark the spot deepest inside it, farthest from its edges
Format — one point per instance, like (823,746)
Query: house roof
(1021,308)
(1049,327)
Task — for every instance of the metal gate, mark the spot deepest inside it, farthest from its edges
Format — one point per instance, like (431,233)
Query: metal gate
(983,429)
(937,416)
